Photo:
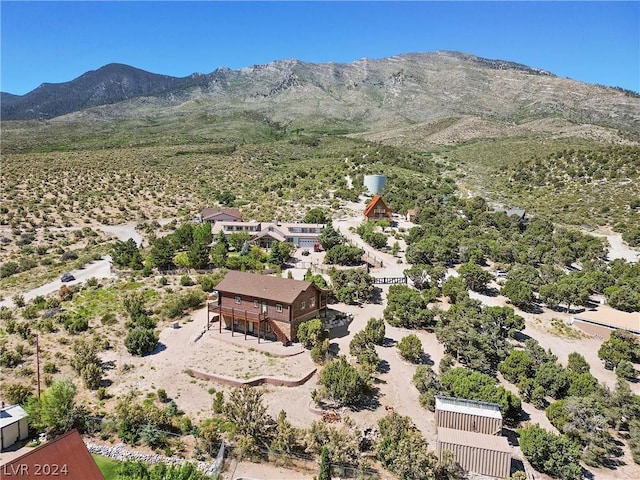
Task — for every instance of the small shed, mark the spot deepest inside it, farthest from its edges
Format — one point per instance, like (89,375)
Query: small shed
(468,415)
(477,452)
(13,425)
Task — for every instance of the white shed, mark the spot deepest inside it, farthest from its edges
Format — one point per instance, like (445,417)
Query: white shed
(13,425)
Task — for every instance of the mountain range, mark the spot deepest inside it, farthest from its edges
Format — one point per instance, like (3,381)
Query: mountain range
(364,96)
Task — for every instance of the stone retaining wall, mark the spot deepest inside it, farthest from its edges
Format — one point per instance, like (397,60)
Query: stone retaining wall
(251,382)
(122,454)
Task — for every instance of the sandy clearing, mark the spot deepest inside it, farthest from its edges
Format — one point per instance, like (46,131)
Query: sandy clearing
(618,248)
(123,232)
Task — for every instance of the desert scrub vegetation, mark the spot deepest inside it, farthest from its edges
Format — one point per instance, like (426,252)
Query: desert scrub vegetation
(595,186)
(85,175)
(30,256)
(571,181)
(79,322)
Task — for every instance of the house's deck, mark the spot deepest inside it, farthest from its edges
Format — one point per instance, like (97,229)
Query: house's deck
(234,316)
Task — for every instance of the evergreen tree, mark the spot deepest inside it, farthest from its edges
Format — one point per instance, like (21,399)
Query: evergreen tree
(325,465)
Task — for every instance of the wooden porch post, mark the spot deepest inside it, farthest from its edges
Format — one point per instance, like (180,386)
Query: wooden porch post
(220,317)
(233,319)
(259,325)
(245,324)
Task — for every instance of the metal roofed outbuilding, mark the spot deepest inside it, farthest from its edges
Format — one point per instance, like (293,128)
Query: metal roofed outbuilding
(468,415)
(477,452)
(14,425)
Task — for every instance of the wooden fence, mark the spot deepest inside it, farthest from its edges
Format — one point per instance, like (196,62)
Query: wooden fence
(389,280)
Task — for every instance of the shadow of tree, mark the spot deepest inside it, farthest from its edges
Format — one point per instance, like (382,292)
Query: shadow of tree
(160,347)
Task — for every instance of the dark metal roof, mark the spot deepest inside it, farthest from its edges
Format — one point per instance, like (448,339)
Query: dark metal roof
(284,290)
(63,457)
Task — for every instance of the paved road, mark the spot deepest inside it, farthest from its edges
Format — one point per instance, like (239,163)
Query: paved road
(98,269)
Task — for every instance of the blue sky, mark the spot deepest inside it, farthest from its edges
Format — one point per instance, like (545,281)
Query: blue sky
(596,42)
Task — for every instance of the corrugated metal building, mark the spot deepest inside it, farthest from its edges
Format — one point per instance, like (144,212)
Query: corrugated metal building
(477,452)
(14,425)
(468,415)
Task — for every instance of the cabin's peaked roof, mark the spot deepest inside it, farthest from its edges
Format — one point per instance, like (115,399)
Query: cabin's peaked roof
(63,457)
(374,201)
(278,289)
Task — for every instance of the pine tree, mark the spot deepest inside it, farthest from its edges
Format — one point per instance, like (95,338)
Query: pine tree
(325,465)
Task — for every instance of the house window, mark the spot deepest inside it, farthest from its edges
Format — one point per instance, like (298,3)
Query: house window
(302,305)
(278,308)
(312,302)
(237,299)
(256,304)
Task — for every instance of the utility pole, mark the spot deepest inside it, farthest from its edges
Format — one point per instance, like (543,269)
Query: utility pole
(38,364)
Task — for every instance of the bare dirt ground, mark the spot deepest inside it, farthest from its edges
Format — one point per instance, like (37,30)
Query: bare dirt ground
(617,246)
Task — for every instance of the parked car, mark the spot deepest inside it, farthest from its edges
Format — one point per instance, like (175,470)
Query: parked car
(67,277)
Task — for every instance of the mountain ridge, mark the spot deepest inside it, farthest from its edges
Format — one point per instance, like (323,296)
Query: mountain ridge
(367,94)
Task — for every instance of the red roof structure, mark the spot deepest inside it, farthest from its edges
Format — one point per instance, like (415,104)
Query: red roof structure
(377,209)
(63,457)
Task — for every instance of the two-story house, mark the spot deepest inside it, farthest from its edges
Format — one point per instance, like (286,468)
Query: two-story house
(263,234)
(266,306)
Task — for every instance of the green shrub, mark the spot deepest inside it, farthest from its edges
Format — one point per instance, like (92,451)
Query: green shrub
(108,319)
(410,348)
(16,394)
(162,395)
(218,402)
(311,333)
(375,331)
(320,352)
(101,393)
(76,324)
(49,367)
(343,383)
(141,341)
(178,304)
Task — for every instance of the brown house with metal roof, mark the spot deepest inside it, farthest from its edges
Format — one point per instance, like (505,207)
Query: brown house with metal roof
(63,457)
(377,210)
(266,306)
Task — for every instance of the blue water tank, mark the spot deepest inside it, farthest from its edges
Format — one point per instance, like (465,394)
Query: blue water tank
(374,183)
